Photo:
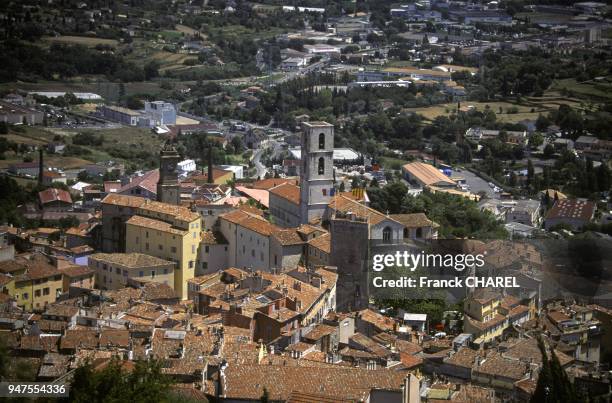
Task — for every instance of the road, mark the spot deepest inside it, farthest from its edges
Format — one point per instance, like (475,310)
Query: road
(308,69)
(260,169)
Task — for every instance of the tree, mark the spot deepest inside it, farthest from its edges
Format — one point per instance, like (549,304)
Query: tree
(151,70)
(536,140)
(145,383)
(549,151)
(603,177)
(553,383)
(530,172)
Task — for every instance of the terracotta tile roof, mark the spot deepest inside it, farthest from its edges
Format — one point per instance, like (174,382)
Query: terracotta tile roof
(572,209)
(527,385)
(355,354)
(259,225)
(344,205)
(5,279)
(151,223)
(76,339)
(407,347)
(51,326)
(321,242)
(39,343)
(517,311)
(307,229)
(558,316)
(147,181)
(53,194)
(123,200)
(383,323)
(260,195)
(268,184)
(414,220)
(427,174)
(130,259)
(370,345)
(115,338)
(496,320)
(318,331)
(203,177)
(38,270)
(305,292)
(156,291)
(177,212)
(484,295)
(288,192)
(465,357)
(300,397)
(410,361)
(61,310)
(287,237)
(76,271)
(248,381)
(251,210)
(496,365)
(509,302)
(234,216)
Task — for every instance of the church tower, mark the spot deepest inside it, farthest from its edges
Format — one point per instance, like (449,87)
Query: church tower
(317,170)
(168,185)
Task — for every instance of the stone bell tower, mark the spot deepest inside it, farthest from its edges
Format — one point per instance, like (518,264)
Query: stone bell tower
(168,190)
(317,170)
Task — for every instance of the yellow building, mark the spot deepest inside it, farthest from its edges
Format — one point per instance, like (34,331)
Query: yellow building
(482,304)
(487,314)
(482,318)
(7,284)
(38,287)
(35,281)
(168,232)
(220,177)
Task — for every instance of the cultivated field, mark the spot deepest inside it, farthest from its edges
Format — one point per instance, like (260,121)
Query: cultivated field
(81,40)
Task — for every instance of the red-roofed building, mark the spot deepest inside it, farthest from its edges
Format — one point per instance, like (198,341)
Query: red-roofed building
(53,199)
(572,212)
(142,186)
(285,204)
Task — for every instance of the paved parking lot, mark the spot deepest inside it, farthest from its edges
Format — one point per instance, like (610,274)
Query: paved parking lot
(477,184)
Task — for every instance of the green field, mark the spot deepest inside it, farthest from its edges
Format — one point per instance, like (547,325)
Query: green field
(129,140)
(81,40)
(599,89)
(511,112)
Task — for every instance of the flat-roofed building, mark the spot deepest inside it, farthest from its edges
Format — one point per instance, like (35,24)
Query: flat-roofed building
(18,114)
(113,270)
(121,115)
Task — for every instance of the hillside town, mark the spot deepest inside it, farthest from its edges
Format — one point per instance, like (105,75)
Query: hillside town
(193,193)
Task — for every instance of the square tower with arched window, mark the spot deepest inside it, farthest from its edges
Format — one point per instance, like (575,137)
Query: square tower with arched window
(317,170)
